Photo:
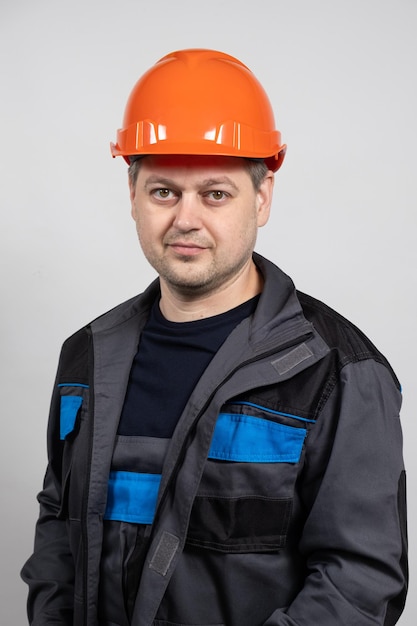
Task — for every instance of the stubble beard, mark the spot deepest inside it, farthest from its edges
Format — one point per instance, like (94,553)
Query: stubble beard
(214,274)
(189,281)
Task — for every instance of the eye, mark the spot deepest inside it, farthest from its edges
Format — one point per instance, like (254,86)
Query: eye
(162,193)
(217,195)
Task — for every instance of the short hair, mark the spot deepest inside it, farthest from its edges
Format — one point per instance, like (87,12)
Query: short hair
(257,170)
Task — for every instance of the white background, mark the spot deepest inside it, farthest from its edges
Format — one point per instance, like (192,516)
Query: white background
(342,79)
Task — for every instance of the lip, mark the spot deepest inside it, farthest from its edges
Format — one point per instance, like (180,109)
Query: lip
(186,248)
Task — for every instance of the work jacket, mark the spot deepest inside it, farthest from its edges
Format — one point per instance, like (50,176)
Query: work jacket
(282,492)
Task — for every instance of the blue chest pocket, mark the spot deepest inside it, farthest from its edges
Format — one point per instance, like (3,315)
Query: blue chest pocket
(245,499)
(246,439)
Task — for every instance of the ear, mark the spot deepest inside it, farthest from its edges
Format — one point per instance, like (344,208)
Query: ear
(132,194)
(264,198)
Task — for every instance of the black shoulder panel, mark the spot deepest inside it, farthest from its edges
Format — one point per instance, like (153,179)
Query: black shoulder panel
(73,366)
(341,335)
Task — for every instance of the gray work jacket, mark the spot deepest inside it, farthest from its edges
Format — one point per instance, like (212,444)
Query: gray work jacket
(282,497)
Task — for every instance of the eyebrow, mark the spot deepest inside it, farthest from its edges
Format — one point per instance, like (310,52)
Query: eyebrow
(223,180)
(154,179)
(159,180)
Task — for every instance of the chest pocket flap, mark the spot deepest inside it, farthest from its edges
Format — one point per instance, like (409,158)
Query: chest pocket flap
(243,438)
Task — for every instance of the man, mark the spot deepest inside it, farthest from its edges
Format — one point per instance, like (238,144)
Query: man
(222,449)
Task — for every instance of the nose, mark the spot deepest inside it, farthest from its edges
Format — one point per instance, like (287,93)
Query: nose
(188,213)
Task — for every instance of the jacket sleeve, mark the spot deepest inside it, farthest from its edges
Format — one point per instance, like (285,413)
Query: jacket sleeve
(50,571)
(354,540)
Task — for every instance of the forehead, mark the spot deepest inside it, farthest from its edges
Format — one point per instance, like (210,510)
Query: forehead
(202,167)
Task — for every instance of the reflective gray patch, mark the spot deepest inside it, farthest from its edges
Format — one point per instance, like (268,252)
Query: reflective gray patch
(287,362)
(164,553)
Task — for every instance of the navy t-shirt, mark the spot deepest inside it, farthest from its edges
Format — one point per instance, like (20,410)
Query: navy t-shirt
(170,360)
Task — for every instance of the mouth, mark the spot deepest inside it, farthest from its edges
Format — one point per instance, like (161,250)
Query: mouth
(182,248)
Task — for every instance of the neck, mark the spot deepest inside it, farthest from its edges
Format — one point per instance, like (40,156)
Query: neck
(185,307)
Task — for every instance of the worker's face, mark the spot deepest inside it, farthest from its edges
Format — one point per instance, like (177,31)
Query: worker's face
(197,219)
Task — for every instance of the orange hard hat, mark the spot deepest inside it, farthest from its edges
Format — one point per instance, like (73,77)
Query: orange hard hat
(199,102)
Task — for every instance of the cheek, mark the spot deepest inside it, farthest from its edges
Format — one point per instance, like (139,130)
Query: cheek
(237,237)
(150,228)
(247,226)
